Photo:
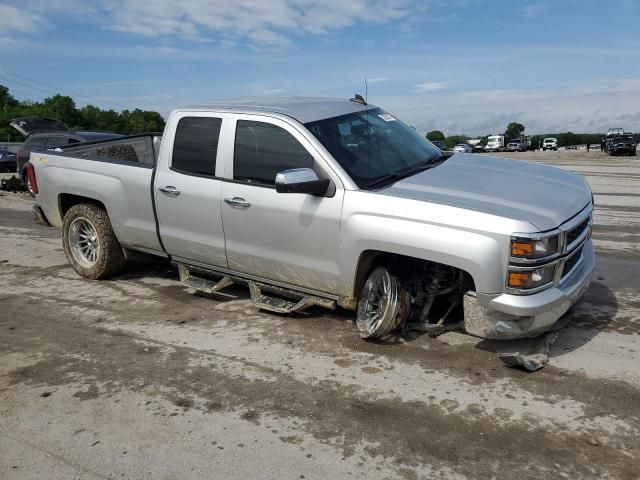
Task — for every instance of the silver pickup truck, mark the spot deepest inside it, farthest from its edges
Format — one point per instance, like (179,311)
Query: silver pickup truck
(328,202)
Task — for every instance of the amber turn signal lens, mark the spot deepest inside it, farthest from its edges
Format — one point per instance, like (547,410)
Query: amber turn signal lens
(522,249)
(520,279)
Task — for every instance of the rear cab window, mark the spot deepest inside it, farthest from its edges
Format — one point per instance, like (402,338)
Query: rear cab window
(55,142)
(262,150)
(195,147)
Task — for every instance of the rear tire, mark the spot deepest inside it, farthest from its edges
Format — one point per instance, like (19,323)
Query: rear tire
(89,242)
(383,305)
(25,180)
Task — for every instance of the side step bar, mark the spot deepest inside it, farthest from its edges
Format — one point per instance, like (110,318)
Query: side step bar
(297,303)
(263,296)
(204,284)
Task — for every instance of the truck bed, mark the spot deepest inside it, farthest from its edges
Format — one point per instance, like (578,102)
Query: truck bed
(119,173)
(141,148)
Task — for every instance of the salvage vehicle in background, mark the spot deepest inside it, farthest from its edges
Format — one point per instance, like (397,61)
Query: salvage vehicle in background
(43,133)
(440,144)
(622,144)
(517,146)
(463,148)
(8,161)
(328,202)
(495,143)
(550,143)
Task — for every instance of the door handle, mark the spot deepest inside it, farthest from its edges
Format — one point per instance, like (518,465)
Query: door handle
(169,190)
(237,202)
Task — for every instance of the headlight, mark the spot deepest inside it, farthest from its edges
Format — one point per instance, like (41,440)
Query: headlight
(534,249)
(530,279)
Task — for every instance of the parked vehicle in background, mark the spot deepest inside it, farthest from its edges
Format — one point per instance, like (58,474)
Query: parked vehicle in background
(43,133)
(611,134)
(463,148)
(8,161)
(517,145)
(623,144)
(329,202)
(440,144)
(495,143)
(550,144)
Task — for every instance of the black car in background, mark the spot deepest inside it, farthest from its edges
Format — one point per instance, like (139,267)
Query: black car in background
(8,162)
(625,143)
(440,144)
(44,133)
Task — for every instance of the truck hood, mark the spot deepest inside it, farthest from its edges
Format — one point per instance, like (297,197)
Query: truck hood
(544,196)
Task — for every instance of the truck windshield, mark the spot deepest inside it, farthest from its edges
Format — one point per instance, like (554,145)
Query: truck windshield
(373,145)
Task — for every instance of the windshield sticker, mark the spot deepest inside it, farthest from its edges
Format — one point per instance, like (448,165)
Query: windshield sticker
(387,117)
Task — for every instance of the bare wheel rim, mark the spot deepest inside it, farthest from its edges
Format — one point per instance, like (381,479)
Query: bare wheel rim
(377,314)
(83,242)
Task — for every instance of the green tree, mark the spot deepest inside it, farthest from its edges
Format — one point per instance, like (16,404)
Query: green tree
(88,117)
(514,130)
(435,135)
(62,108)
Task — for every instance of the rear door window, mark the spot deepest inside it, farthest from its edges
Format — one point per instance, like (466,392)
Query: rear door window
(195,147)
(263,149)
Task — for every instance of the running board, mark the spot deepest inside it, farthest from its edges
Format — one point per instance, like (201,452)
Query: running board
(264,296)
(297,303)
(204,284)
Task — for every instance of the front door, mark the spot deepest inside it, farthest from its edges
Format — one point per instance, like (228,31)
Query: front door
(287,237)
(187,193)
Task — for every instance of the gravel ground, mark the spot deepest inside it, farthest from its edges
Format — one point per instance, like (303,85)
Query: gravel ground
(138,377)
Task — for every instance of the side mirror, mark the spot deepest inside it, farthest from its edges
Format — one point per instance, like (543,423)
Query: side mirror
(301,180)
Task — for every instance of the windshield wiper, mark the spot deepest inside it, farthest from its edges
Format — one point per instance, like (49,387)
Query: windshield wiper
(405,172)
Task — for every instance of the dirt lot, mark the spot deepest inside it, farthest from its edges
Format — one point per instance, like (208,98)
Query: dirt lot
(139,378)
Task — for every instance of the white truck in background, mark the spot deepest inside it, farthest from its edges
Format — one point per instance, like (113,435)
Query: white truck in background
(495,143)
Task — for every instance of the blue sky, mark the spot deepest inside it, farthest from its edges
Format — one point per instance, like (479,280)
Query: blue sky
(463,66)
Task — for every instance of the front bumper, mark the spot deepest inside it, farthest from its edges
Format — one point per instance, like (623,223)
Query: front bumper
(624,149)
(507,316)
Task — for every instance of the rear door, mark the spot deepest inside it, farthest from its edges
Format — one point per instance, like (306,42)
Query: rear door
(290,238)
(188,190)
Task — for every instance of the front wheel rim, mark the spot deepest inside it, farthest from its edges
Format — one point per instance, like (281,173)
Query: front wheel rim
(84,242)
(380,308)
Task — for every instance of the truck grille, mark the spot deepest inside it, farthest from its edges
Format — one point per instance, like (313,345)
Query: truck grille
(574,234)
(572,262)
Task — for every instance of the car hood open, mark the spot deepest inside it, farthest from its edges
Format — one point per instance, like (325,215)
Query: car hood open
(29,125)
(544,196)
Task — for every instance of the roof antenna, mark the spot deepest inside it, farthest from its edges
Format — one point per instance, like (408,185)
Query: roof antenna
(357,98)
(366,91)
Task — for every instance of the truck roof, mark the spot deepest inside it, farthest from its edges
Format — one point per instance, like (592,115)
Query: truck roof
(303,109)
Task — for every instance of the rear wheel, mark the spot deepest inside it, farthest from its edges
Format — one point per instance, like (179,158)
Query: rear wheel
(383,304)
(27,182)
(90,245)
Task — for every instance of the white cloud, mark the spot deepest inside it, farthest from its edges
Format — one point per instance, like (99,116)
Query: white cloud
(533,10)
(263,23)
(17,20)
(590,108)
(431,87)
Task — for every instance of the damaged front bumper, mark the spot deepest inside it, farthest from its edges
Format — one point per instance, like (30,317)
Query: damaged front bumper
(507,316)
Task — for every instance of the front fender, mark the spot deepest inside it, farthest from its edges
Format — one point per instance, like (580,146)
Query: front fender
(480,255)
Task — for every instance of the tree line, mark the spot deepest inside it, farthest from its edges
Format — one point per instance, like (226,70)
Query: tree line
(517,130)
(63,108)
